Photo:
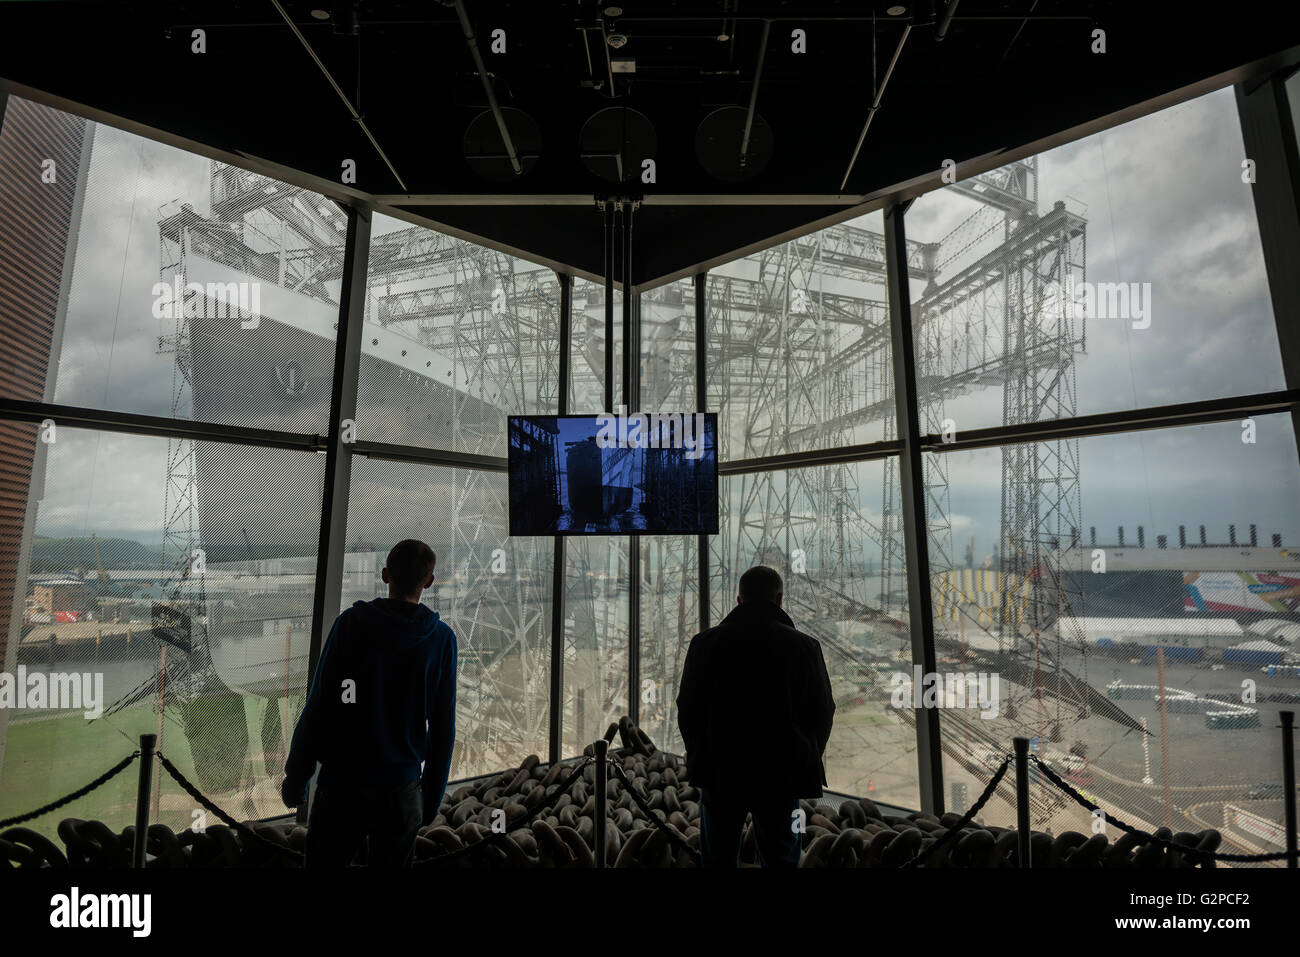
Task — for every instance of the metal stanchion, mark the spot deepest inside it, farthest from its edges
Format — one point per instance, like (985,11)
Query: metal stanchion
(1288,783)
(602,774)
(147,743)
(1022,799)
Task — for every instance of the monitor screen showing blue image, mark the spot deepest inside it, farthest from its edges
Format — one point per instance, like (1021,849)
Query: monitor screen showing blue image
(614,474)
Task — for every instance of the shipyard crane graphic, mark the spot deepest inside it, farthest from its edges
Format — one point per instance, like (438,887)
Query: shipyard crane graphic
(484,323)
(799,359)
(458,336)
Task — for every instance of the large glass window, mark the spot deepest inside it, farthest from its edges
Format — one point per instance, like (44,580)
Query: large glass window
(1127,600)
(596,609)
(670,617)
(1184,579)
(1082,580)
(151,280)
(670,567)
(827,531)
(668,352)
(175,572)
(1094,277)
(187,617)
(457,337)
(587,348)
(799,348)
(493,590)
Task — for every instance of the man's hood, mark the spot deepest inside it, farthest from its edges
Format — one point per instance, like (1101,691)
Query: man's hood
(402,624)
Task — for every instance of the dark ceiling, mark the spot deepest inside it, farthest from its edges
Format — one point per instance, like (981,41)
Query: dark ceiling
(1008,73)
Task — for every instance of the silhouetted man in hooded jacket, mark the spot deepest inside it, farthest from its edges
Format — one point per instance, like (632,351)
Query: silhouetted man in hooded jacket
(755,712)
(380,719)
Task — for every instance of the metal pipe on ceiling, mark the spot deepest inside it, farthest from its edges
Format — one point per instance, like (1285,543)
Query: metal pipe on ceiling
(609,66)
(468,30)
(342,96)
(729,28)
(1032,7)
(753,94)
(846,18)
(946,19)
(683,18)
(907,28)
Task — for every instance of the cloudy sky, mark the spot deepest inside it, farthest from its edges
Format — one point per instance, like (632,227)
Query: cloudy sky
(1164,205)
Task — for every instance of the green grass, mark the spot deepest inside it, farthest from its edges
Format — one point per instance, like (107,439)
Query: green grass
(50,757)
(862,715)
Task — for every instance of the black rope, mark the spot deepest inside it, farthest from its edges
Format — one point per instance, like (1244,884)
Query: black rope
(661,823)
(80,792)
(1151,838)
(648,811)
(966,818)
(243,829)
(499,835)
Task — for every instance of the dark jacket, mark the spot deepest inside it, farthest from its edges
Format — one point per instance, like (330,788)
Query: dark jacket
(755,706)
(401,710)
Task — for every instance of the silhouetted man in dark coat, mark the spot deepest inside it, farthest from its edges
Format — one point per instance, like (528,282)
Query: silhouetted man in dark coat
(755,711)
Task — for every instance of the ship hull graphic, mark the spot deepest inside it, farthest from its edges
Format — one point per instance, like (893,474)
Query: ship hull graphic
(274,371)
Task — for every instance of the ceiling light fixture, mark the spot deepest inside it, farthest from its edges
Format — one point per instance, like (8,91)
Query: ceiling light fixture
(897,10)
(616,40)
(321,14)
(613,11)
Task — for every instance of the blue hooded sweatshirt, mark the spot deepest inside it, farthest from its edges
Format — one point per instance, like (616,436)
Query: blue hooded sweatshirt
(383,700)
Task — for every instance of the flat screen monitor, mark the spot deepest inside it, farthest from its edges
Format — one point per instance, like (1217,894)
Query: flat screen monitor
(614,474)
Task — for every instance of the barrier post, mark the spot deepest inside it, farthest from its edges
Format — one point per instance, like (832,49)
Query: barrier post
(1288,784)
(1022,799)
(147,742)
(602,772)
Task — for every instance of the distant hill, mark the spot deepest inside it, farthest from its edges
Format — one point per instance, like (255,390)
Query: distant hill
(63,554)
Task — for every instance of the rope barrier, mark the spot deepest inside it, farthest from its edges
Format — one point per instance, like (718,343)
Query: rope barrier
(1183,849)
(80,792)
(198,795)
(966,818)
(672,834)
(648,811)
(500,835)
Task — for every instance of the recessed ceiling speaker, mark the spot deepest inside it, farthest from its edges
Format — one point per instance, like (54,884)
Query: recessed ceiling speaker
(485,150)
(615,142)
(721,148)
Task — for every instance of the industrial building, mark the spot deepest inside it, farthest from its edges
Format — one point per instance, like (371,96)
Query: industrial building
(952,284)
